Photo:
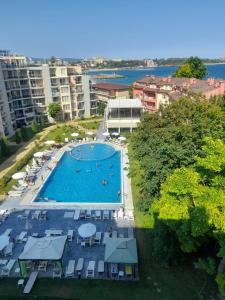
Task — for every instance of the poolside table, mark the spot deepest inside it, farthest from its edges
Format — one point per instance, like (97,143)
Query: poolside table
(87,230)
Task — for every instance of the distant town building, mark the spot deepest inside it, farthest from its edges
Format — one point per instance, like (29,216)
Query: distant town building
(27,88)
(155,91)
(149,63)
(106,91)
(123,114)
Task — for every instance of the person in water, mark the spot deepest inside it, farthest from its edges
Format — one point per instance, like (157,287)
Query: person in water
(104,182)
(110,165)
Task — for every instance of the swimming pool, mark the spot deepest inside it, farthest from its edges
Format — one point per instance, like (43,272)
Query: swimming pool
(89,173)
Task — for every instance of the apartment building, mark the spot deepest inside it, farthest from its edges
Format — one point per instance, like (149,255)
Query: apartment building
(106,91)
(27,88)
(155,91)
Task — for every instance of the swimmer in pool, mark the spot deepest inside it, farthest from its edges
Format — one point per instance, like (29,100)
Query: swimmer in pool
(104,182)
(110,165)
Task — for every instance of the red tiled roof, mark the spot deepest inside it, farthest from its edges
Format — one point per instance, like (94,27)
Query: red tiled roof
(110,86)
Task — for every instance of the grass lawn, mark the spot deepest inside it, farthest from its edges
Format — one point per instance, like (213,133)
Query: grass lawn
(155,283)
(90,124)
(64,131)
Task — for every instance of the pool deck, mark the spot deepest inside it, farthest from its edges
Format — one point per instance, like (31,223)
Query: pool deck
(26,201)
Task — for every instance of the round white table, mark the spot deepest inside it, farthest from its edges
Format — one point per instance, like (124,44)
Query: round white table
(87,230)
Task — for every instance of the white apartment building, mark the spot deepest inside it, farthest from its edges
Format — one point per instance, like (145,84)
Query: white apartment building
(27,88)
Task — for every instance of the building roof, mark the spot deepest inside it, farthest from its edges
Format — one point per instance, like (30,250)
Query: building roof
(121,250)
(124,103)
(110,86)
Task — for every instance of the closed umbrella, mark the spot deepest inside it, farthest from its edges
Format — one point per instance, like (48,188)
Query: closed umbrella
(38,154)
(19,175)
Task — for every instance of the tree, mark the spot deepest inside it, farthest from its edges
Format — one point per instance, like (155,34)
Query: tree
(34,126)
(101,108)
(42,122)
(54,109)
(192,67)
(171,138)
(4,147)
(24,134)
(192,205)
(17,137)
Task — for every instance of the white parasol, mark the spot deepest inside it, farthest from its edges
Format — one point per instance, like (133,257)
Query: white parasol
(19,175)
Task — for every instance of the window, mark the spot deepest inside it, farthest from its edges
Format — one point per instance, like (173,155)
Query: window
(65,98)
(64,89)
(63,72)
(66,107)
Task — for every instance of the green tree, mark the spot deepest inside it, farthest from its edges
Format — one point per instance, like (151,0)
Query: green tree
(171,138)
(17,136)
(192,67)
(101,108)
(42,122)
(4,147)
(54,109)
(34,126)
(24,134)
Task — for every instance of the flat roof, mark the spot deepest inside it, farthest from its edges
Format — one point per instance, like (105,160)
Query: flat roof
(124,103)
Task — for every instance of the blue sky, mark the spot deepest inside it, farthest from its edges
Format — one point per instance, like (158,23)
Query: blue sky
(113,28)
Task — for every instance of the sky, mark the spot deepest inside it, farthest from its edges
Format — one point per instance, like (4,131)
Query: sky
(113,28)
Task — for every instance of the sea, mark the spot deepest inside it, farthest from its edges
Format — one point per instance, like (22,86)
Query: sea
(131,75)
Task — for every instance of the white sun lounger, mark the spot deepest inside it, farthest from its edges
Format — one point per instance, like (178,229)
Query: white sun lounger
(101,266)
(8,268)
(130,232)
(120,215)
(88,214)
(97,239)
(30,282)
(18,188)
(114,234)
(8,231)
(36,215)
(131,215)
(70,269)
(8,249)
(21,236)
(106,215)
(77,215)
(97,215)
(80,264)
(106,236)
(90,272)
(70,235)
(14,193)
(114,215)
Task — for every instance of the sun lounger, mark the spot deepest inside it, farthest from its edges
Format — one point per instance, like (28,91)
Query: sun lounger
(90,272)
(42,265)
(114,234)
(43,215)
(106,236)
(70,269)
(101,267)
(80,265)
(70,235)
(23,183)
(128,270)
(97,238)
(114,215)
(76,214)
(88,214)
(130,232)
(8,249)
(97,215)
(18,188)
(82,214)
(130,215)
(57,273)
(21,236)
(6,270)
(120,215)
(35,215)
(7,231)
(106,215)
(30,282)
(15,193)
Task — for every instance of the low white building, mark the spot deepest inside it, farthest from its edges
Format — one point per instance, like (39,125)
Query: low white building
(123,114)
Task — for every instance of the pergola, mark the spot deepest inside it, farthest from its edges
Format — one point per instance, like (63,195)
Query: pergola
(42,249)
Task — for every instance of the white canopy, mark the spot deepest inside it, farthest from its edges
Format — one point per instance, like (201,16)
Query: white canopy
(4,241)
(38,154)
(50,142)
(90,133)
(19,175)
(75,134)
(106,133)
(46,248)
(122,138)
(87,230)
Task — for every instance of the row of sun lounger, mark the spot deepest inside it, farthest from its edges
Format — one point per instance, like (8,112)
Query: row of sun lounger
(73,269)
(102,215)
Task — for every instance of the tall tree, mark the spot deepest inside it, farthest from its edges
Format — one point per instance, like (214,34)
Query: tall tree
(24,134)
(4,147)
(42,122)
(17,136)
(54,109)
(192,67)
(34,126)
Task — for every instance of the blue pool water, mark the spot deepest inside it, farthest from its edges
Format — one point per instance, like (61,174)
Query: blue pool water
(79,176)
